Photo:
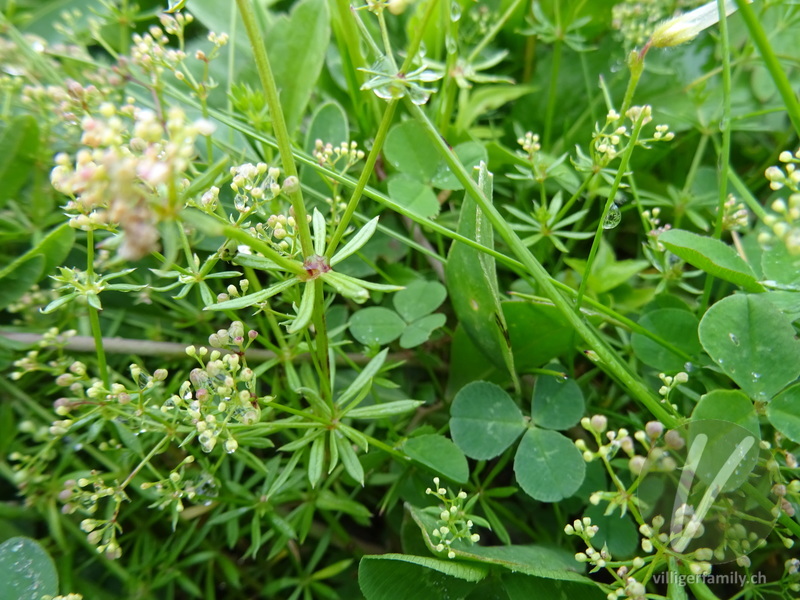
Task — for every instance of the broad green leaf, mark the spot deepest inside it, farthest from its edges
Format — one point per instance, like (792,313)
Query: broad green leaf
(376,326)
(538,333)
(252,299)
(471,155)
(617,531)
(753,343)
(328,124)
(557,402)
(608,271)
(414,196)
(723,447)
(540,561)
(488,98)
(472,283)
(722,416)
(297,44)
(15,282)
(380,411)
(468,363)
(526,587)
(419,299)
(461,570)
(484,420)
(420,330)
(728,405)
(19,145)
(784,412)
(55,247)
(26,570)
(548,466)
(678,327)
(382,578)
(440,455)
(408,150)
(712,256)
(780,266)
(38,262)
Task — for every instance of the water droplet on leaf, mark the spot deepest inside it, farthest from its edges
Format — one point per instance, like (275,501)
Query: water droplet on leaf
(613,217)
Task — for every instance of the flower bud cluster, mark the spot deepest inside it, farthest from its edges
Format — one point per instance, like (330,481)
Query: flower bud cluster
(635,20)
(670,383)
(150,52)
(218,396)
(530,144)
(85,493)
(453,519)
(280,231)
(130,173)
(253,186)
(610,140)
(27,306)
(785,220)
(102,533)
(340,158)
(174,488)
(734,215)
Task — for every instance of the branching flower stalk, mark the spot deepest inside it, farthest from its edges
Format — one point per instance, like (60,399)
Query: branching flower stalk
(612,194)
(608,357)
(94,317)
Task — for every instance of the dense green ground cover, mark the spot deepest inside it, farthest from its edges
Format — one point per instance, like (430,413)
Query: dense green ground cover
(411,299)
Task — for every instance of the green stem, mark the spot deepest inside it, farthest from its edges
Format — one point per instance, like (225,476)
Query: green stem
(636,66)
(552,96)
(144,461)
(771,62)
(607,356)
(493,31)
(366,173)
(94,316)
(282,138)
(321,342)
(612,194)
(725,152)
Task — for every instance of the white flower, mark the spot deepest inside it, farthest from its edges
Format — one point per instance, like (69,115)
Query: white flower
(686,27)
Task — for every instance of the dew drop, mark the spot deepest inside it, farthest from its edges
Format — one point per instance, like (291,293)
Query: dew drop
(455,11)
(734,339)
(451,44)
(613,217)
(688,367)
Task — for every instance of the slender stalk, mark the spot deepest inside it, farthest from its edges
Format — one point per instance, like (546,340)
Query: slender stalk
(321,342)
(612,194)
(94,317)
(366,173)
(550,110)
(282,138)
(696,161)
(607,357)
(493,31)
(725,152)
(771,62)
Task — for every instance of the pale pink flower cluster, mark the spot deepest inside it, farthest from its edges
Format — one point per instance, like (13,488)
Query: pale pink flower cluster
(130,173)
